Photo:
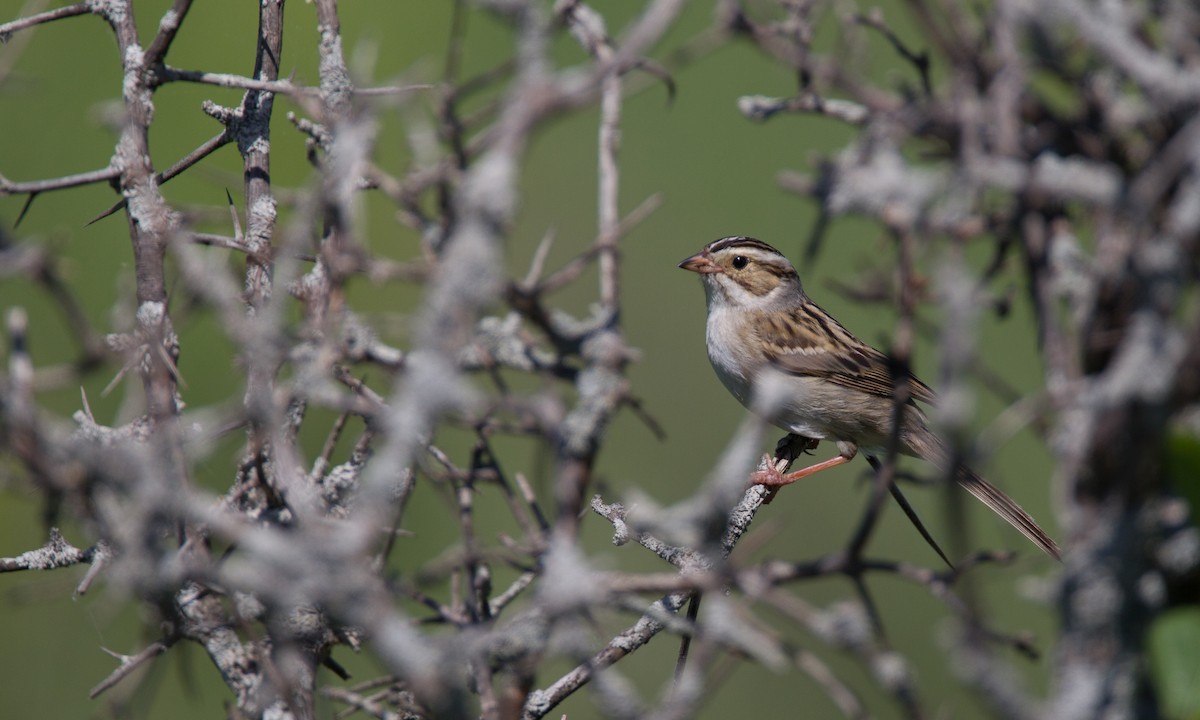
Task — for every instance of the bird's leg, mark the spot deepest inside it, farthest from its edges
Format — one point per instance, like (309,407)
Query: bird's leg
(771,477)
(787,450)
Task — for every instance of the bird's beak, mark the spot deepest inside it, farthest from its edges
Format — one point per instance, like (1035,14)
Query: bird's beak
(700,263)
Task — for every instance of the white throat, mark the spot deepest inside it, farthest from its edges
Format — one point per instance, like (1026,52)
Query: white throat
(723,292)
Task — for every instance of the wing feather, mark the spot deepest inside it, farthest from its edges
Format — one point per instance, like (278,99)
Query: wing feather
(808,342)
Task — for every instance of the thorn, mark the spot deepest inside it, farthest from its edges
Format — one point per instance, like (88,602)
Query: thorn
(116,379)
(106,213)
(539,259)
(166,358)
(237,223)
(87,408)
(24,209)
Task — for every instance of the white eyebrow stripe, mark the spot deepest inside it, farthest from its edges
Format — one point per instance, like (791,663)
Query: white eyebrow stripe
(742,242)
(759,255)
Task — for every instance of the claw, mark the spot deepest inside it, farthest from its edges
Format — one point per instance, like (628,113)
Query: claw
(771,474)
(772,477)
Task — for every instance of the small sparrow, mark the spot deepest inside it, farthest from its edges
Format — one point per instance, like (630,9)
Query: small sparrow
(838,388)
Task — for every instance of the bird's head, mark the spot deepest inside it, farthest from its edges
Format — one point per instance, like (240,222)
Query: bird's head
(745,272)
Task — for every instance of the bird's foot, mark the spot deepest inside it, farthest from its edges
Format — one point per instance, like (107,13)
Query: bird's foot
(772,477)
(769,474)
(787,450)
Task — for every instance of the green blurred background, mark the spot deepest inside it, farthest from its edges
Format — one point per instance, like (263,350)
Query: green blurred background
(716,172)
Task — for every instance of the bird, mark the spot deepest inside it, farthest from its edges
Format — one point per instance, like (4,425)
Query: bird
(834,386)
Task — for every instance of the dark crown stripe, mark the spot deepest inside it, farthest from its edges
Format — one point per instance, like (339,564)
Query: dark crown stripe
(739,241)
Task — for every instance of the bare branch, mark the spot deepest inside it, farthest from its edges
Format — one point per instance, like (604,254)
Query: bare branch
(56,553)
(13,26)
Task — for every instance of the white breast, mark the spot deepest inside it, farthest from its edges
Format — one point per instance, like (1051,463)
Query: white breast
(798,408)
(724,340)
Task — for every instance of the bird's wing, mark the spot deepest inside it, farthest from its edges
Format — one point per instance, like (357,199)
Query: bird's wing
(811,343)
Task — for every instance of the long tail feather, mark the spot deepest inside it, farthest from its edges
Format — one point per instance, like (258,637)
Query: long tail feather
(1007,508)
(925,444)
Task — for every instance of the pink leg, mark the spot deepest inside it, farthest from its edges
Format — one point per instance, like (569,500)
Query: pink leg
(773,478)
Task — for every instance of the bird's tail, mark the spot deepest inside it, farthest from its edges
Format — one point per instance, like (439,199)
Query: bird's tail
(925,444)
(1007,508)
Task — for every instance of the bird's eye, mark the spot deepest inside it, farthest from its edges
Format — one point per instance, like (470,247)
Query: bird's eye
(739,262)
